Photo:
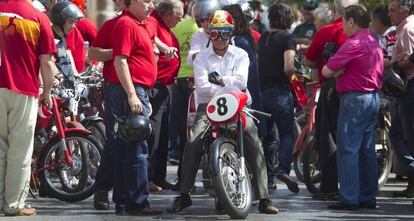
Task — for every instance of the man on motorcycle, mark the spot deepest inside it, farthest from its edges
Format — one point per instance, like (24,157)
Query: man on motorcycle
(232,64)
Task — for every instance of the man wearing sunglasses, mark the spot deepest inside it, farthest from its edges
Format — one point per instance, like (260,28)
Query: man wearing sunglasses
(232,64)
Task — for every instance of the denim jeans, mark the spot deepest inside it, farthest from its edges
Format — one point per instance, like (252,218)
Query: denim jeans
(131,158)
(402,129)
(356,157)
(105,174)
(180,92)
(278,101)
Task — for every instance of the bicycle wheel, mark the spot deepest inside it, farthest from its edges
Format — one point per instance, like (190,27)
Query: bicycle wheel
(65,182)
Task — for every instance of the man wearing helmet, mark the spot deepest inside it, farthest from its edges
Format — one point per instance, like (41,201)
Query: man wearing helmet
(202,11)
(85,26)
(26,46)
(233,64)
(64,16)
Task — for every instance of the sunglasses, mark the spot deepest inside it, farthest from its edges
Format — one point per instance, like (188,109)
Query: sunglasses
(225,35)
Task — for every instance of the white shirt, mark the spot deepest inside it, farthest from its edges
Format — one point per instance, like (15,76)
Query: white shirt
(199,42)
(233,68)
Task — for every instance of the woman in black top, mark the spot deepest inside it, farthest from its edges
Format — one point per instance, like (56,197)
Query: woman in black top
(276,66)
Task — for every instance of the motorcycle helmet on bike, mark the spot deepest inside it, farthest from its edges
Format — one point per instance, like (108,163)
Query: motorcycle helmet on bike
(135,128)
(203,9)
(392,84)
(62,11)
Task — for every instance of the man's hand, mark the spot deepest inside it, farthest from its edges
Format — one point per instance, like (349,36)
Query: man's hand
(135,103)
(46,99)
(170,52)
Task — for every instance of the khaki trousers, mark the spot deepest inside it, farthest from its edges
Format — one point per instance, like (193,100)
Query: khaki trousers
(17,123)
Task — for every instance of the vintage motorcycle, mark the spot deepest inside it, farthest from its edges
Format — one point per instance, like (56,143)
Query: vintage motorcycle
(224,150)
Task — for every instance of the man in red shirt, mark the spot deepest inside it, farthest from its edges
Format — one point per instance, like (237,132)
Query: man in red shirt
(136,72)
(85,26)
(328,104)
(26,44)
(76,45)
(101,50)
(167,14)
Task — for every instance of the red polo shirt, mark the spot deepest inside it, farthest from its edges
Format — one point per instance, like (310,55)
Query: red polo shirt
(76,46)
(25,34)
(167,68)
(329,33)
(132,39)
(104,40)
(87,29)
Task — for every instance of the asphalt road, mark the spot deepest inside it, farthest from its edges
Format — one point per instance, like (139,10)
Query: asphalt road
(292,207)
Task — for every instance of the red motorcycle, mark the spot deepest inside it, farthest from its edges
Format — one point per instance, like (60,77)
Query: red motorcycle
(66,155)
(224,150)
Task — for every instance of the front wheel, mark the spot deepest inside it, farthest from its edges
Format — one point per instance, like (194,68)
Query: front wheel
(311,165)
(70,183)
(233,190)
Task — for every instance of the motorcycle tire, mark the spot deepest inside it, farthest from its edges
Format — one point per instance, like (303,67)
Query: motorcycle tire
(311,164)
(55,170)
(226,178)
(98,130)
(385,156)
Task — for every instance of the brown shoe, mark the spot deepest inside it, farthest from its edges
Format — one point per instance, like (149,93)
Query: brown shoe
(265,206)
(153,187)
(23,212)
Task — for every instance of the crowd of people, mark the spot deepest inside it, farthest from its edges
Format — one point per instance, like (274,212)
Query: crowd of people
(155,54)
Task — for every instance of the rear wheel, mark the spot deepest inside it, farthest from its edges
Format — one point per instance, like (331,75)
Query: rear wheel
(234,191)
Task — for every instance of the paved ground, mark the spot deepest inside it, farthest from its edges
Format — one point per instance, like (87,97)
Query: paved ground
(292,207)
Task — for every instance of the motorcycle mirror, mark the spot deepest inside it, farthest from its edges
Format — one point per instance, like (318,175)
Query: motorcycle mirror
(215,78)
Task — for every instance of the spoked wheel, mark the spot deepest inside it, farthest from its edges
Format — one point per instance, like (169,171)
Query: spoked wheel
(384,156)
(311,165)
(70,183)
(233,190)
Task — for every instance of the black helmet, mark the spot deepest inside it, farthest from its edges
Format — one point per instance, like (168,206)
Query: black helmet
(135,128)
(203,9)
(310,5)
(392,84)
(62,11)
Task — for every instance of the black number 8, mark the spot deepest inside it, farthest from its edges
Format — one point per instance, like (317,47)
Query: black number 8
(222,108)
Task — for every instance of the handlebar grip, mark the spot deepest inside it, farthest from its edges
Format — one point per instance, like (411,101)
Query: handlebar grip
(260,113)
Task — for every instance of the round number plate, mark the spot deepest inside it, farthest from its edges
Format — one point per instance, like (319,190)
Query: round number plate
(222,108)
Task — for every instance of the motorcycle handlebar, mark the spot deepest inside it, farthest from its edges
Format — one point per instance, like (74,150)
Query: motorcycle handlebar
(260,113)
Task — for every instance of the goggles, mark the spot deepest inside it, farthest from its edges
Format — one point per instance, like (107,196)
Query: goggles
(215,34)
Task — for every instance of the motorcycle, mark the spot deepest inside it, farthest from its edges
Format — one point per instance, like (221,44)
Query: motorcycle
(224,150)
(66,155)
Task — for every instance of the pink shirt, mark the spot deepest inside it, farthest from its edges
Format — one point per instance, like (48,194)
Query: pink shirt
(405,43)
(361,59)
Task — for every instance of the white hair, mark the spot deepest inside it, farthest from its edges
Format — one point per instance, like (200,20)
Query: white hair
(323,13)
(340,5)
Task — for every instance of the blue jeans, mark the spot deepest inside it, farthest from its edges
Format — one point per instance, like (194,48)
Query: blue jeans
(278,101)
(356,157)
(131,158)
(105,174)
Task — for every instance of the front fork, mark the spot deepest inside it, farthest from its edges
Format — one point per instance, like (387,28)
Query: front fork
(61,131)
(242,168)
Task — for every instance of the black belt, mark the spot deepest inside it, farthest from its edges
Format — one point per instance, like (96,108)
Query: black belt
(183,79)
